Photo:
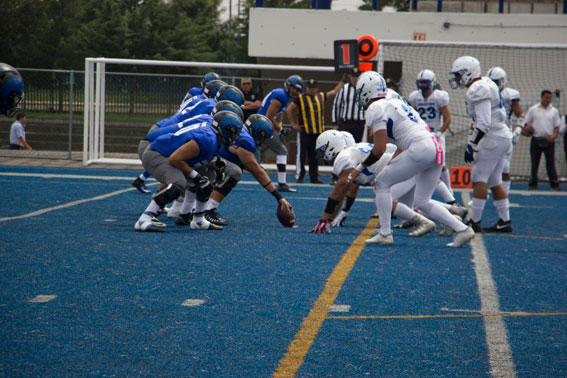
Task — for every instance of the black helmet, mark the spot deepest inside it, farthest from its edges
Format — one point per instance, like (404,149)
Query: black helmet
(294,81)
(229,106)
(260,127)
(212,87)
(209,77)
(228,125)
(11,90)
(230,93)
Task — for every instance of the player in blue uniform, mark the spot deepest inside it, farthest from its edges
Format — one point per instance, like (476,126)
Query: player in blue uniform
(174,159)
(273,107)
(196,91)
(11,90)
(258,129)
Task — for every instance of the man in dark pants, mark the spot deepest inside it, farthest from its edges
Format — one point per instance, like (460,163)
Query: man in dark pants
(347,115)
(309,124)
(543,121)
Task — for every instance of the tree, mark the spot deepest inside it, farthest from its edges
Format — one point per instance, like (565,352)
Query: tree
(399,5)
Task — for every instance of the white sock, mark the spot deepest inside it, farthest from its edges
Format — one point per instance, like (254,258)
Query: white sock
(200,207)
(503,208)
(438,211)
(281,160)
(212,204)
(446,178)
(404,212)
(506,185)
(153,208)
(477,209)
(188,203)
(384,206)
(444,192)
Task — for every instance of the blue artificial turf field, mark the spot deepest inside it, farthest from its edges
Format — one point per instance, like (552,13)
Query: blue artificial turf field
(83,294)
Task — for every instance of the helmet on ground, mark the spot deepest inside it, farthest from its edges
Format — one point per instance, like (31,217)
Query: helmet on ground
(260,127)
(212,87)
(498,76)
(230,93)
(11,90)
(228,125)
(371,85)
(228,106)
(464,70)
(329,144)
(426,80)
(349,139)
(294,81)
(209,77)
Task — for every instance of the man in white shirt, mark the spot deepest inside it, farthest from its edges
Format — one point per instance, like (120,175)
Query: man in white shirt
(18,133)
(544,120)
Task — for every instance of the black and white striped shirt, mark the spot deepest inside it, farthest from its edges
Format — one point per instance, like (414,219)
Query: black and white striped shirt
(345,107)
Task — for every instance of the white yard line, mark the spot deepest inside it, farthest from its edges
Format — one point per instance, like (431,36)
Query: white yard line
(499,351)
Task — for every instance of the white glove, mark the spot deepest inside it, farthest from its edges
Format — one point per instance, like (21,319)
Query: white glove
(438,134)
(340,219)
(516,135)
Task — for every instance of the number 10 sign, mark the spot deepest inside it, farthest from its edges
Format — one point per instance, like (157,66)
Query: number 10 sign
(346,55)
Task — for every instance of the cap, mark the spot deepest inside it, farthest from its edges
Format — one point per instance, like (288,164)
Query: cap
(312,83)
(355,71)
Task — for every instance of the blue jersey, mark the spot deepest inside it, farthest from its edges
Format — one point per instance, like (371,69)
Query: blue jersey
(195,107)
(277,94)
(195,91)
(202,133)
(245,141)
(176,126)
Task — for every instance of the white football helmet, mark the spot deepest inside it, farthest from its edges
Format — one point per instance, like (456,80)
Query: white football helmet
(329,144)
(427,79)
(498,76)
(371,85)
(465,69)
(349,139)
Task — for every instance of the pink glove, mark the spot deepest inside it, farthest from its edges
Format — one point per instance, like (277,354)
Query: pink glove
(322,227)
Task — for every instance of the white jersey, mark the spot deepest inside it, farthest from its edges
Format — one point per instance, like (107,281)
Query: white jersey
(430,108)
(509,95)
(402,123)
(484,105)
(352,156)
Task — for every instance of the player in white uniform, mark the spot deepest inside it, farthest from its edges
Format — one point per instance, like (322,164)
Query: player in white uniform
(331,145)
(511,101)
(418,154)
(433,107)
(489,141)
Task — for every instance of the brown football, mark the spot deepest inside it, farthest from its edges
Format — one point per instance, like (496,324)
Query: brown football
(285,216)
(527,130)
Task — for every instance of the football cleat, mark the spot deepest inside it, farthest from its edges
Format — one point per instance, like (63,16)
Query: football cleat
(381,239)
(139,184)
(175,209)
(423,226)
(200,223)
(404,224)
(500,226)
(184,219)
(447,230)
(285,188)
(475,225)
(214,217)
(461,238)
(148,223)
(461,211)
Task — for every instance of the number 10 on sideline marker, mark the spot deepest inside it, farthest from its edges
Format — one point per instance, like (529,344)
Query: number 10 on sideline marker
(461,177)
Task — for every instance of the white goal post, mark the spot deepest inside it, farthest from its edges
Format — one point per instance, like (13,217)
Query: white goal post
(95,80)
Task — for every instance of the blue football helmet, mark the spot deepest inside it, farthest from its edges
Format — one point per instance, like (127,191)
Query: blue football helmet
(228,106)
(11,90)
(260,127)
(294,81)
(212,87)
(227,125)
(209,77)
(230,93)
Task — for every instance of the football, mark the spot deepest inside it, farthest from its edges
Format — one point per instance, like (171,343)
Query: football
(285,216)
(527,130)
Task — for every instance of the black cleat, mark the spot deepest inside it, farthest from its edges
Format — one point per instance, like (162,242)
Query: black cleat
(214,217)
(285,188)
(184,219)
(500,226)
(139,184)
(475,226)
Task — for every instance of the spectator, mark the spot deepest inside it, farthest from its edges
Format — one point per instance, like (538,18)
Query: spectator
(252,98)
(347,115)
(544,121)
(309,124)
(18,133)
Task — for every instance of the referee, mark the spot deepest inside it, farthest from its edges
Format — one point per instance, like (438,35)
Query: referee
(346,115)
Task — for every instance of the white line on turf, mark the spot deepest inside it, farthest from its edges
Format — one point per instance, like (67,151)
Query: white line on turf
(42,298)
(192,302)
(499,351)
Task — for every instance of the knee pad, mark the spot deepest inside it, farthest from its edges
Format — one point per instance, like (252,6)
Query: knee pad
(167,194)
(202,194)
(227,186)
